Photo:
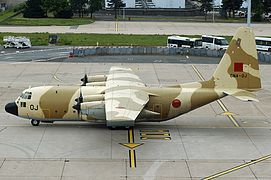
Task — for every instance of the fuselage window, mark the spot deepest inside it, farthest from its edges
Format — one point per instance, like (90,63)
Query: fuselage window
(26,95)
(23,104)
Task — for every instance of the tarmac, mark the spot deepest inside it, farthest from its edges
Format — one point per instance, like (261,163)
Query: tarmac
(197,145)
(141,27)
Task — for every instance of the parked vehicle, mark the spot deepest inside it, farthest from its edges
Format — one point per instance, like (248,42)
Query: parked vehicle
(16,42)
(10,45)
(209,42)
(214,42)
(178,41)
(263,44)
(267,16)
(240,14)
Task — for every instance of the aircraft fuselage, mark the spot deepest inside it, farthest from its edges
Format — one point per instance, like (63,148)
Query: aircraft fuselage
(56,103)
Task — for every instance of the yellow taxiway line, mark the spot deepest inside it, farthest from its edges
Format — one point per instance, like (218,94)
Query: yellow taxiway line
(153,130)
(131,145)
(131,135)
(237,167)
(223,107)
(132,156)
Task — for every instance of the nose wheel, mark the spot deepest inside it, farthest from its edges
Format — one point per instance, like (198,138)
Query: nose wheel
(35,122)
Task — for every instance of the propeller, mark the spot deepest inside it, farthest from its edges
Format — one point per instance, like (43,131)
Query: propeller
(84,80)
(79,100)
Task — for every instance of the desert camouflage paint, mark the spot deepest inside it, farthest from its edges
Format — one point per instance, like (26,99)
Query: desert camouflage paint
(121,98)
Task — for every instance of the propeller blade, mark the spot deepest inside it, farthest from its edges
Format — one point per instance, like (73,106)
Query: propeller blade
(78,100)
(84,80)
(76,107)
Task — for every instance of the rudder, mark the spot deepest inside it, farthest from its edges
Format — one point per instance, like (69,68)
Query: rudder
(239,67)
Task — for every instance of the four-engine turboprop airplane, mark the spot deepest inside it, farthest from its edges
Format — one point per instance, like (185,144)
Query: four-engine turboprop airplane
(121,99)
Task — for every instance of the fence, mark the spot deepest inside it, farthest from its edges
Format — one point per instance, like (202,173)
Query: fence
(128,50)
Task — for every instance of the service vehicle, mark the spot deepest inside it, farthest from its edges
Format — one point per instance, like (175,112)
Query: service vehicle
(178,41)
(263,44)
(16,42)
(214,42)
(267,16)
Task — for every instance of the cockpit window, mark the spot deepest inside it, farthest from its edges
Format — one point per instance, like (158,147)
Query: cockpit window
(26,95)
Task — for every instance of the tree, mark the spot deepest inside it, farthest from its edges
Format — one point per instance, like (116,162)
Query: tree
(206,6)
(257,7)
(78,6)
(116,4)
(94,5)
(60,8)
(34,9)
(231,6)
(267,6)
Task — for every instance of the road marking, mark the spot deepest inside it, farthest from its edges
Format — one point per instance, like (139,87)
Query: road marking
(157,138)
(223,107)
(14,63)
(154,130)
(227,113)
(116,26)
(238,167)
(162,134)
(56,78)
(154,134)
(131,145)
(132,155)
(33,51)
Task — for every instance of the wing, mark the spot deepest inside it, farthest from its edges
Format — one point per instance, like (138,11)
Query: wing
(124,99)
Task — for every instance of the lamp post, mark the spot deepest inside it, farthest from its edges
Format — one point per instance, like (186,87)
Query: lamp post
(248,13)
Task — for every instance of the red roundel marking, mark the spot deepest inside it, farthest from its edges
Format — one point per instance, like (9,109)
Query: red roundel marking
(176,103)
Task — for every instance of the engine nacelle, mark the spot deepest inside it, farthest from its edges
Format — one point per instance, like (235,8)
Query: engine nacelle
(96,78)
(90,98)
(94,110)
(96,84)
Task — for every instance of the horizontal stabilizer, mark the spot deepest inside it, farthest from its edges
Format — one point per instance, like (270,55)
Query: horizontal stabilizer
(242,95)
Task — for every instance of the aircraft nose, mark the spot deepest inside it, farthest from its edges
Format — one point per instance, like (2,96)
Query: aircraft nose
(12,108)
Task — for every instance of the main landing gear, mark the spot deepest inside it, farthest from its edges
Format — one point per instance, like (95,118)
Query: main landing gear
(35,122)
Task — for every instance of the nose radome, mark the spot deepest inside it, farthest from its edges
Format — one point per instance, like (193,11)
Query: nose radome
(12,108)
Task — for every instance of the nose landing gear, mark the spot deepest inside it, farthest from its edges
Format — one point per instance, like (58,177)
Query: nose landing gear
(35,122)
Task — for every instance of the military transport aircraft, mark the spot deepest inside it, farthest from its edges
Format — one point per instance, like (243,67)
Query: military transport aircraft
(120,99)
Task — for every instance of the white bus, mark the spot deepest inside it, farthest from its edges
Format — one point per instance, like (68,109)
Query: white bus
(214,42)
(178,41)
(263,44)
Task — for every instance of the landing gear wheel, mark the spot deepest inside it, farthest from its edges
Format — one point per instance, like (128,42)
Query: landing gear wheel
(35,122)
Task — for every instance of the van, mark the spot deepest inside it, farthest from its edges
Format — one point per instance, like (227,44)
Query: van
(214,42)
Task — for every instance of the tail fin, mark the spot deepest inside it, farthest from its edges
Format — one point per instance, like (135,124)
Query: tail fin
(239,67)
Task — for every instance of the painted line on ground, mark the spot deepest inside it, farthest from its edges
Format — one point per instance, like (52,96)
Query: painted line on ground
(33,51)
(116,26)
(154,130)
(238,167)
(156,134)
(223,107)
(132,155)
(56,78)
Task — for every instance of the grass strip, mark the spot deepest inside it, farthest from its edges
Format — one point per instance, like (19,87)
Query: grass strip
(20,21)
(70,39)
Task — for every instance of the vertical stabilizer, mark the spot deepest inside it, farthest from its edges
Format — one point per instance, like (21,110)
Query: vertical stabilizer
(239,67)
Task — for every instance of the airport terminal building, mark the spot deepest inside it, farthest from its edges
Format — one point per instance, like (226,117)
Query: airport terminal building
(152,3)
